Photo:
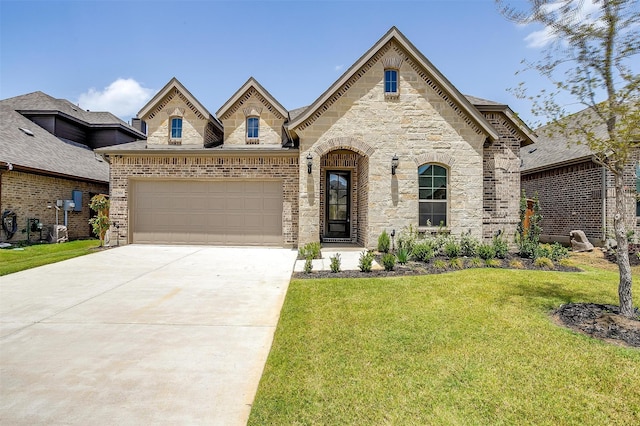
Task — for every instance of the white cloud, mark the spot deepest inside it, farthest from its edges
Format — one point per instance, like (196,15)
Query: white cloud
(124,98)
(587,11)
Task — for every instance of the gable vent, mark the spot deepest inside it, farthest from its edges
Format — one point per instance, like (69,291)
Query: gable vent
(26,131)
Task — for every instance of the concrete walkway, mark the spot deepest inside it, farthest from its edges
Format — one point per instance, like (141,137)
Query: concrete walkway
(140,335)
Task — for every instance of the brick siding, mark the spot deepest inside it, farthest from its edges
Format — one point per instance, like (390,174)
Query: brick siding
(28,194)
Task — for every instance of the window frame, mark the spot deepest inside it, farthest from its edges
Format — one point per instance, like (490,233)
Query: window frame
(395,82)
(253,136)
(172,128)
(433,188)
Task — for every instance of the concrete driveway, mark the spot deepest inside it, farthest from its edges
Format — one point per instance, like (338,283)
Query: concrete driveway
(140,335)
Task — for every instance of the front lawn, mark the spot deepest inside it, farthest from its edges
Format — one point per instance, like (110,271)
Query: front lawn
(469,347)
(12,260)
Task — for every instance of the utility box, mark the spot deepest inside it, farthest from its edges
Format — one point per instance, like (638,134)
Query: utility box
(76,195)
(69,205)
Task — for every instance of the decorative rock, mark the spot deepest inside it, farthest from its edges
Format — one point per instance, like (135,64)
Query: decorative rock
(579,241)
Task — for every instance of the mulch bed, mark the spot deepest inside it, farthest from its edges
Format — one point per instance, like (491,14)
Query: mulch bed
(421,268)
(600,321)
(634,260)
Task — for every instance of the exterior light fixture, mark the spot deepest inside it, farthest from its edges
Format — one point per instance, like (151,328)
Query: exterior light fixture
(394,164)
(309,163)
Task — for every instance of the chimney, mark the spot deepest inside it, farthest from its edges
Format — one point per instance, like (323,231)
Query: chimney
(139,125)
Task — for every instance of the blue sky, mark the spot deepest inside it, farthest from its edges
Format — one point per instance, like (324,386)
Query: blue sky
(115,55)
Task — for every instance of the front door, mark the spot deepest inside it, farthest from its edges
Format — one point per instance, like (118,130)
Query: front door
(338,204)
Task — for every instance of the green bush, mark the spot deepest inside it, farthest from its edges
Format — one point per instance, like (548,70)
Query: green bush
(423,251)
(452,248)
(408,238)
(335,262)
(493,263)
(500,246)
(310,251)
(527,238)
(439,265)
(456,263)
(558,252)
(403,255)
(468,245)
(366,261)
(384,242)
(308,266)
(486,251)
(388,261)
(476,262)
(543,262)
(100,222)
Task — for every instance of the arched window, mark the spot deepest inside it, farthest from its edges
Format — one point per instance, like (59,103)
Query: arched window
(253,127)
(432,187)
(176,128)
(390,81)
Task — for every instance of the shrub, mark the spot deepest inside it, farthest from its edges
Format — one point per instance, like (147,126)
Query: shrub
(486,251)
(310,251)
(558,252)
(388,261)
(308,266)
(366,261)
(403,256)
(476,262)
(384,242)
(440,265)
(407,238)
(468,245)
(452,248)
(456,263)
(500,246)
(527,238)
(335,263)
(565,262)
(100,223)
(516,263)
(423,251)
(493,263)
(543,262)
(438,243)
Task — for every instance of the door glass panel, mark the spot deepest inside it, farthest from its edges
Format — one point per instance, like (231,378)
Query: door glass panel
(338,204)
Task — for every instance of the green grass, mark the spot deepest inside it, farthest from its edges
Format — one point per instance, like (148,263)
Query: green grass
(471,347)
(42,254)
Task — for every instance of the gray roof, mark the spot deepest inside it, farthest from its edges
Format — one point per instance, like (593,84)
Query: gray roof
(43,151)
(479,101)
(39,102)
(554,148)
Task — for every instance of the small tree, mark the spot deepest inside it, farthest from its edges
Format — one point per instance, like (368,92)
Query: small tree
(589,52)
(100,223)
(529,229)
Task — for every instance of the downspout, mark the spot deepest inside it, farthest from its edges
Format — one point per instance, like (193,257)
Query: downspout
(604,204)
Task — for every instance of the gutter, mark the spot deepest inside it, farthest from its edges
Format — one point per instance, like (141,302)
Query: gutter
(560,164)
(4,167)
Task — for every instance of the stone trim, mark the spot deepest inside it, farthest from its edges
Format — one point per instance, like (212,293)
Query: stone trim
(434,157)
(344,143)
(392,62)
(248,95)
(173,93)
(178,112)
(252,111)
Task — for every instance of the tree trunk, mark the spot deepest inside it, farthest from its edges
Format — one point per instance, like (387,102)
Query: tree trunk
(619,226)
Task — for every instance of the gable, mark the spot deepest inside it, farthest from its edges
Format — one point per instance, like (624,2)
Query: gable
(403,53)
(250,94)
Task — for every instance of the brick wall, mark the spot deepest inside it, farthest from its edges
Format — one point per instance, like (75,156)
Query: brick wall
(213,166)
(28,194)
(501,179)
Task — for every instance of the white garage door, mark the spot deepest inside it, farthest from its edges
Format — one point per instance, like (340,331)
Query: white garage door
(245,212)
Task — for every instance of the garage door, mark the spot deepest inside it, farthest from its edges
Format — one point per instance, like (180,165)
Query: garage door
(207,212)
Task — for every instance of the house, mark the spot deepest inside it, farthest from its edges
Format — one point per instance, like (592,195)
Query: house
(46,155)
(575,192)
(391,143)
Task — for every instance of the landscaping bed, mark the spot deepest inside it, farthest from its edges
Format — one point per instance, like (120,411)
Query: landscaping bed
(600,321)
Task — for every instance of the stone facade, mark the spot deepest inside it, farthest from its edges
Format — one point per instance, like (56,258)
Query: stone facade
(28,195)
(204,166)
(196,128)
(571,198)
(418,126)
(253,104)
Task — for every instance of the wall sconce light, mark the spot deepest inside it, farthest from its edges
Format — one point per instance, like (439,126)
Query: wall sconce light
(394,164)
(309,163)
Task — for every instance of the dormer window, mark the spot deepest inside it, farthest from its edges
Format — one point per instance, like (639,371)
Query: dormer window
(253,130)
(176,128)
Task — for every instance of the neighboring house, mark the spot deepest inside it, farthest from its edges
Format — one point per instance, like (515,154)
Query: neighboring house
(575,192)
(392,143)
(46,154)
